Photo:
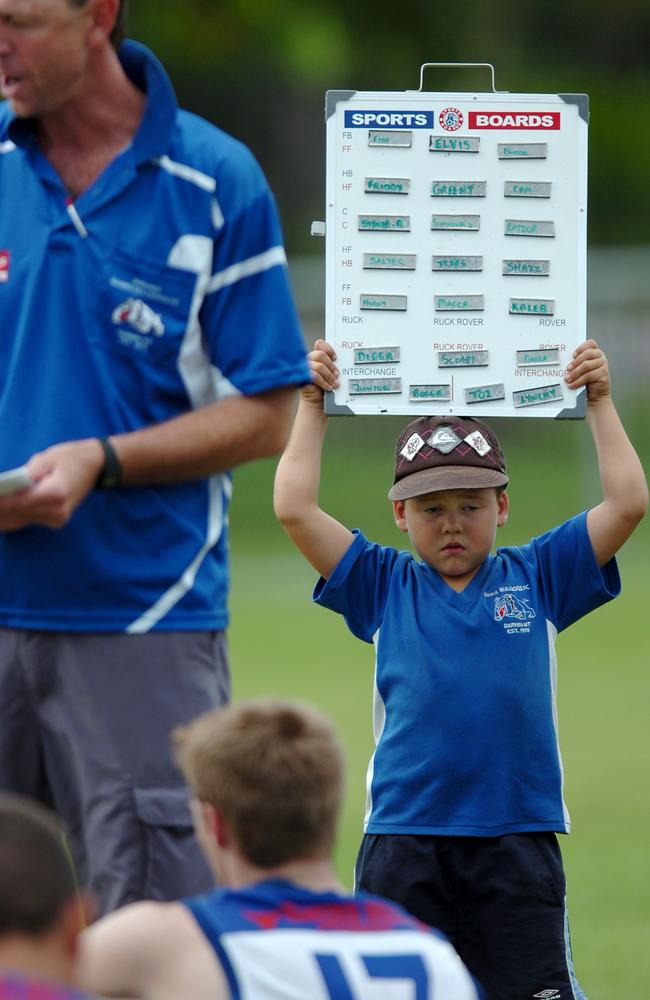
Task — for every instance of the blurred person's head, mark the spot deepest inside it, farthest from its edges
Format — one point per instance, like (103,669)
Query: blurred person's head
(268,777)
(119,29)
(53,52)
(41,913)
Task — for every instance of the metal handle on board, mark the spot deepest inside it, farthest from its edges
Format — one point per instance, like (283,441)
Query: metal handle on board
(446,65)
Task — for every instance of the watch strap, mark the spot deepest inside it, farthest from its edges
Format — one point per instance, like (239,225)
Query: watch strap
(110,474)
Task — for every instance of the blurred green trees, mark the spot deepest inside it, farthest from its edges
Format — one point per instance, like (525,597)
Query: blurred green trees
(260,70)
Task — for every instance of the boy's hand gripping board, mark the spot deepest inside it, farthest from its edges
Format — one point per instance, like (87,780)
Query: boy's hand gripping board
(456,251)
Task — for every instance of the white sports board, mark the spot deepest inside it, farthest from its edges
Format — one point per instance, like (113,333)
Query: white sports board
(456,251)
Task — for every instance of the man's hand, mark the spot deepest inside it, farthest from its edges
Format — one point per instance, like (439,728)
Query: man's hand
(63,476)
(324,373)
(589,367)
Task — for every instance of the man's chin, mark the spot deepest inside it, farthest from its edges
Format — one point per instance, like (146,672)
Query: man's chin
(19,108)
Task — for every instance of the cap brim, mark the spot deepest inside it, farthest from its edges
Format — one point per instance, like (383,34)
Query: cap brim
(446,477)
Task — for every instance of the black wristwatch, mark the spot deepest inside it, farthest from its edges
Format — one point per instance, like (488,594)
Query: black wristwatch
(110,474)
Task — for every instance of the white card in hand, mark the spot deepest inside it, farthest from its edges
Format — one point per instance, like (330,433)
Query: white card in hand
(14,480)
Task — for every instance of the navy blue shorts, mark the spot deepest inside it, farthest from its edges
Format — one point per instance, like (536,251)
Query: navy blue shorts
(501,901)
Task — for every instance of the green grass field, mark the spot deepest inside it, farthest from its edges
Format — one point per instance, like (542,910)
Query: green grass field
(281,644)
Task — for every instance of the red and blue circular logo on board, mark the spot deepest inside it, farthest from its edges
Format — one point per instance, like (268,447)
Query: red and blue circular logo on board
(451,119)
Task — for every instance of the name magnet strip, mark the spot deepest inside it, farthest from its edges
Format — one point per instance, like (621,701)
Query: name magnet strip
(445,144)
(527,267)
(376,355)
(538,358)
(531,307)
(533,397)
(383,223)
(382,302)
(440,263)
(522,150)
(529,227)
(382,137)
(485,393)
(427,393)
(462,222)
(389,261)
(373,386)
(527,189)
(458,303)
(387,185)
(462,359)
(458,189)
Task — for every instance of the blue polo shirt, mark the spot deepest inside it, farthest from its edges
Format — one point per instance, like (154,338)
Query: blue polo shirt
(161,289)
(465,712)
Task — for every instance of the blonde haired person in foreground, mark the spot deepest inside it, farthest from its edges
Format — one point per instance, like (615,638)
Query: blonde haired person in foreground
(267,777)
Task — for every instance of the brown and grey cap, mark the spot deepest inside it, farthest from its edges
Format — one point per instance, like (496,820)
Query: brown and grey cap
(446,453)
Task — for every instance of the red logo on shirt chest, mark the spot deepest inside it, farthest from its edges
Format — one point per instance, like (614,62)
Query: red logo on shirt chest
(5,259)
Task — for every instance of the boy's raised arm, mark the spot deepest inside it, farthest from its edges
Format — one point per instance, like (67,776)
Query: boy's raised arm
(321,538)
(625,491)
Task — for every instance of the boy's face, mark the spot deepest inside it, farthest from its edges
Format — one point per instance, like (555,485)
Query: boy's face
(453,530)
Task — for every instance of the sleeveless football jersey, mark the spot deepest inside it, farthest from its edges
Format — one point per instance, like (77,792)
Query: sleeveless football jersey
(278,940)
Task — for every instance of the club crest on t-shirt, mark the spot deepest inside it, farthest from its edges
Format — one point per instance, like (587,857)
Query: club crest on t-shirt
(515,612)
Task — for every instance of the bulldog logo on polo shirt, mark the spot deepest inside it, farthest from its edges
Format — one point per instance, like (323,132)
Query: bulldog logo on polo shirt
(140,316)
(146,307)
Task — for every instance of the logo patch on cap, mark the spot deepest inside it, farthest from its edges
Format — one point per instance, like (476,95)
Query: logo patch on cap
(478,443)
(414,444)
(444,439)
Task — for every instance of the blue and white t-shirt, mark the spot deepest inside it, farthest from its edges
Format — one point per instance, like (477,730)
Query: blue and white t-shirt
(276,939)
(162,288)
(465,683)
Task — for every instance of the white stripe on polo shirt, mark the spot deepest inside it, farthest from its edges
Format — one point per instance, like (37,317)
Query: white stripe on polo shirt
(194,176)
(193,253)
(190,174)
(378,723)
(220,488)
(253,265)
(552,666)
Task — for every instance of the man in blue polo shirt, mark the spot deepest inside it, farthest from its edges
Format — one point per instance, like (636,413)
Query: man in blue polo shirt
(148,344)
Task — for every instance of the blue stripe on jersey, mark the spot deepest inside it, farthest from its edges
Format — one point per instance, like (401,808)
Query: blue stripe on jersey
(163,288)
(466,726)
(202,914)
